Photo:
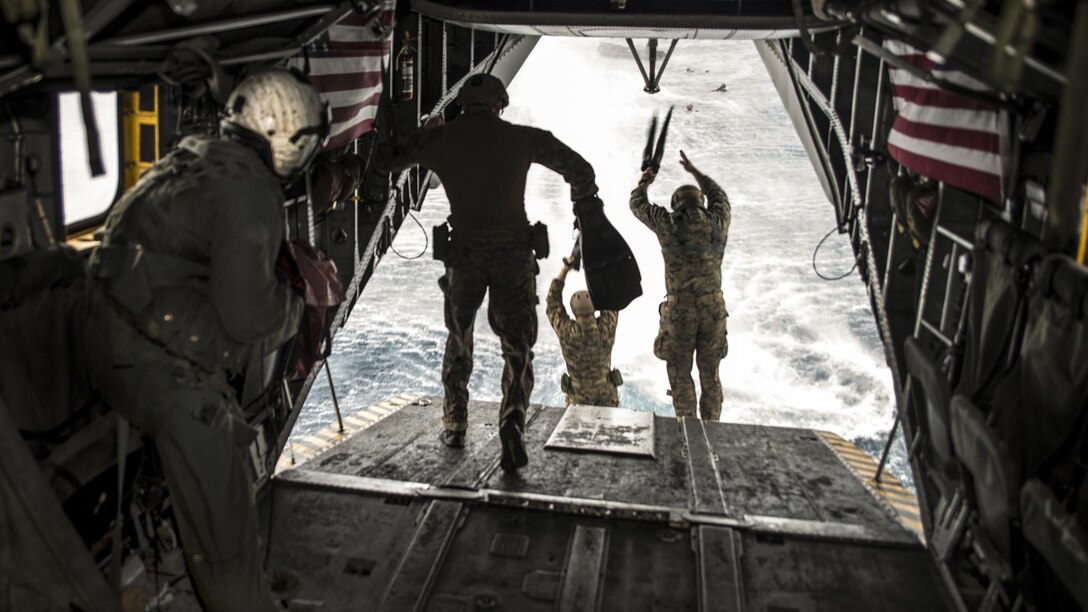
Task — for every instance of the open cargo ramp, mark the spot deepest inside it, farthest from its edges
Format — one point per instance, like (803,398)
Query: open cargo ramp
(725,517)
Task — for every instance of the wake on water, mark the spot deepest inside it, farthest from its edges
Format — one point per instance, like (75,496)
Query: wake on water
(803,352)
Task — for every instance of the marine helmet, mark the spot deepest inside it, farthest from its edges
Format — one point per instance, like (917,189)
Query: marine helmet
(581,304)
(687,195)
(483,90)
(280,114)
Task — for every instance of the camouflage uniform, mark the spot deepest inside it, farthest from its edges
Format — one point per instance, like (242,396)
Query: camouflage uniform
(482,162)
(166,326)
(587,349)
(693,316)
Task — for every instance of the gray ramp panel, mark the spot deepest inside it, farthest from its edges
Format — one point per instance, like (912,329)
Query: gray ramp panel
(791,474)
(720,583)
(661,482)
(351,547)
(582,576)
(524,560)
(800,575)
(343,546)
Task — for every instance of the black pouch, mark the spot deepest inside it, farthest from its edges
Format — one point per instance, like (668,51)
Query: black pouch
(538,239)
(564,383)
(440,238)
(615,377)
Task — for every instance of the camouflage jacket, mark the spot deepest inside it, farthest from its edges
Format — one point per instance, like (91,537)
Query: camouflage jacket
(587,347)
(209,221)
(692,239)
(483,161)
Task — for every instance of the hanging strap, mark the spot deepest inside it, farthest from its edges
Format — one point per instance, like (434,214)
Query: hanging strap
(117,549)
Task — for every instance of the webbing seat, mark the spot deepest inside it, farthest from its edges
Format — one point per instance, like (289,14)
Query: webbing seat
(1058,536)
(993,486)
(935,398)
(1046,424)
(1000,260)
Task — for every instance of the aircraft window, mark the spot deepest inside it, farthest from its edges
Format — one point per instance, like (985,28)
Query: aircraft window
(86,197)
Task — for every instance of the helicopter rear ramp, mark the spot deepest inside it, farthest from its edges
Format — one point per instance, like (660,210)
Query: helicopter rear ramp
(722,517)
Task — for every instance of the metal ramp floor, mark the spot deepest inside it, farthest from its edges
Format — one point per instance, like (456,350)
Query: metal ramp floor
(725,517)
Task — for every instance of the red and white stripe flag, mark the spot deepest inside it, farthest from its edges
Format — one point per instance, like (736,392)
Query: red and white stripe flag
(346,68)
(946,136)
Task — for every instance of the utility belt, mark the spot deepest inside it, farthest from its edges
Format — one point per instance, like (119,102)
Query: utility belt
(534,236)
(694,298)
(566,384)
(184,324)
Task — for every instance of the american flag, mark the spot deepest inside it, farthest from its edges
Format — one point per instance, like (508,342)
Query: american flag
(943,135)
(346,68)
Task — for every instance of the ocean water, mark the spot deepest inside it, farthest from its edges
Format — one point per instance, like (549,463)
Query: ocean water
(804,352)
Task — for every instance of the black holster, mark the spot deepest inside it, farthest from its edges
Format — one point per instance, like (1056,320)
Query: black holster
(440,238)
(538,239)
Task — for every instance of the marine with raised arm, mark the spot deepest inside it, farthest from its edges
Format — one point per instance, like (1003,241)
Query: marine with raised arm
(693,316)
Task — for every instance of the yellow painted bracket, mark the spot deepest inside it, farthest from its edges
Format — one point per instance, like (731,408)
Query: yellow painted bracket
(1083,230)
(902,502)
(299,450)
(140,133)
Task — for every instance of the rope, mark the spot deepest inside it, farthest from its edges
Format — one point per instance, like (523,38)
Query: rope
(426,241)
(817,250)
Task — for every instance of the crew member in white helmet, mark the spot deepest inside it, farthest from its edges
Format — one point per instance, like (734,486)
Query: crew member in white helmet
(184,291)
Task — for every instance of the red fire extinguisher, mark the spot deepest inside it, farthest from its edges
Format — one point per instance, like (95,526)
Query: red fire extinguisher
(406,69)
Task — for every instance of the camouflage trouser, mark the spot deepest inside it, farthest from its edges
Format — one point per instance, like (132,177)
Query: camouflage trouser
(600,392)
(199,434)
(694,325)
(509,272)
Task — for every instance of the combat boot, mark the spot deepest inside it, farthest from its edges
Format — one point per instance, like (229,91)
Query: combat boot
(452,439)
(513,449)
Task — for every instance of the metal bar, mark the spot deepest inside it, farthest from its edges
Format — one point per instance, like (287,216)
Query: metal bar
(420,67)
(665,62)
(890,257)
(936,332)
(579,506)
(926,270)
(653,61)
(954,237)
(975,30)
(948,286)
(583,573)
(260,57)
(220,26)
(411,582)
(887,447)
(335,401)
(703,477)
(471,49)
(638,60)
(720,576)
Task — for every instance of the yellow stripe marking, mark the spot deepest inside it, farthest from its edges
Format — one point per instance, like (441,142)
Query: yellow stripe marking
(327,433)
(361,424)
(304,444)
(317,443)
(899,500)
(366,415)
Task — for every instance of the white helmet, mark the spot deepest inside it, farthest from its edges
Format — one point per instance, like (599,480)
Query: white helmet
(280,113)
